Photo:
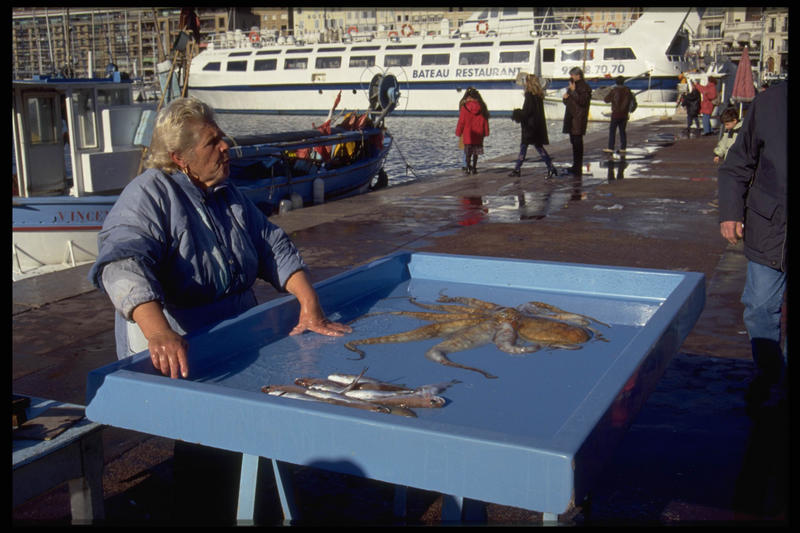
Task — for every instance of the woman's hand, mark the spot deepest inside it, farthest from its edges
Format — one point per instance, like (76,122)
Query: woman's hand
(312,318)
(168,350)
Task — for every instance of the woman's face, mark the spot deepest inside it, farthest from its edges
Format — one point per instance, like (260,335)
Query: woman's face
(208,161)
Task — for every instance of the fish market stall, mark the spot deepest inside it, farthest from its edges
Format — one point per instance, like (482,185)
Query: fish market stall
(538,369)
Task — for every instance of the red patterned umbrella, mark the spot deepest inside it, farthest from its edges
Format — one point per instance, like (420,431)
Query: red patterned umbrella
(743,88)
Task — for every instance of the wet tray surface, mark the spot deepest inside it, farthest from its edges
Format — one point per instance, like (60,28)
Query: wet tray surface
(534,437)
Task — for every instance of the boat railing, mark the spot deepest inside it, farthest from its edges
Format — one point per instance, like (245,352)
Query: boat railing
(253,146)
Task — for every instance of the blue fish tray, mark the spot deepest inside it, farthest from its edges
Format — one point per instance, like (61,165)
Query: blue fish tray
(536,437)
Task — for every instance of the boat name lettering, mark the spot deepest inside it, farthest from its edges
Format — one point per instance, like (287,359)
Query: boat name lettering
(597,70)
(485,72)
(430,73)
(75,215)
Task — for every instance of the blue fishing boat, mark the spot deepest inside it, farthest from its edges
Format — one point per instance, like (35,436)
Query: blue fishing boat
(78,142)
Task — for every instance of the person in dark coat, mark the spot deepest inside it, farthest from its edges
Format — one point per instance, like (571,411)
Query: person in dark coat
(533,124)
(621,98)
(691,101)
(753,206)
(576,116)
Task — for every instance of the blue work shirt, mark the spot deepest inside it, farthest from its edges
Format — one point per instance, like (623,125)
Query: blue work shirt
(197,252)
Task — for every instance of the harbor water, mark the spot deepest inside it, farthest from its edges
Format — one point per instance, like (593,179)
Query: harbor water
(423,146)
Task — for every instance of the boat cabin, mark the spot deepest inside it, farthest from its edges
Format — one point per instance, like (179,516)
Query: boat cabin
(77,137)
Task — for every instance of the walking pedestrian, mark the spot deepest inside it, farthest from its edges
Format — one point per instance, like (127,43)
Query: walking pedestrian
(623,102)
(533,125)
(576,100)
(753,207)
(729,119)
(691,101)
(708,93)
(473,125)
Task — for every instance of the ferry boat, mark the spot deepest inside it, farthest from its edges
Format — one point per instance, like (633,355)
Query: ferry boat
(260,72)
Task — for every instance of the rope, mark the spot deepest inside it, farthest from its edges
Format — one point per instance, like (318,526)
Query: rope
(408,167)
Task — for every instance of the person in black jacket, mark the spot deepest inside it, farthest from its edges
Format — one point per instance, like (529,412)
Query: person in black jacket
(534,126)
(622,103)
(576,116)
(753,207)
(691,101)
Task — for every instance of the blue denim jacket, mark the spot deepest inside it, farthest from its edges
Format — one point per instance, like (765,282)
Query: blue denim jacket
(197,252)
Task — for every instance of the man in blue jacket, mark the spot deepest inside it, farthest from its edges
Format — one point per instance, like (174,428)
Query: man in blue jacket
(753,207)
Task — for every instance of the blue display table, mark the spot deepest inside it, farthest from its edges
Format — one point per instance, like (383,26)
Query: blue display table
(535,438)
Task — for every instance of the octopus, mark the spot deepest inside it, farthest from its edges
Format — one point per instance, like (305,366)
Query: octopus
(466,323)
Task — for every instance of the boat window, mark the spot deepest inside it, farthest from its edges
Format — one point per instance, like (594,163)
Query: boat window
(578,41)
(42,119)
(618,53)
(369,47)
(212,66)
(334,49)
(239,54)
(267,52)
(438,45)
(548,55)
(435,59)
(510,11)
(109,97)
(473,58)
(397,60)
(400,46)
(298,51)
(515,57)
(265,64)
(516,43)
(329,62)
(236,66)
(471,45)
(362,61)
(83,109)
(577,55)
(298,63)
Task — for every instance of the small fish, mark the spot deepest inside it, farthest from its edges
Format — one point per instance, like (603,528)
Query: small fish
(401,399)
(341,399)
(365,382)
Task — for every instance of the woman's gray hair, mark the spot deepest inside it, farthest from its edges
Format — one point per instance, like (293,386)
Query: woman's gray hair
(172,132)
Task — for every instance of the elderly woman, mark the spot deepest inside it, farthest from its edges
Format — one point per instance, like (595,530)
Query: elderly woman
(182,247)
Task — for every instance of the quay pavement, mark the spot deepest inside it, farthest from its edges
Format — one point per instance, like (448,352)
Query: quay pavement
(692,455)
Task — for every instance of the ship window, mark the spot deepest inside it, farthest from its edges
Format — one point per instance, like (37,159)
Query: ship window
(299,63)
(548,55)
(362,61)
(516,43)
(474,44)
(298,51)
(473,58)
(618,53)
(397,60)
(239,54)
(369,47)
(515,57)
(267,52)
(401,46)
(438,45)
(236,66)
(435,59)
(577,55)
(329,62)
(334,49)
(212,66)
(265,64)
(42,120)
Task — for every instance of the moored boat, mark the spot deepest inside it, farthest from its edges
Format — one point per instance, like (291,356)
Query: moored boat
(259,72)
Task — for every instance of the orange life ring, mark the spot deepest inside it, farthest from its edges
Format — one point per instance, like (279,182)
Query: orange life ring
(585,22)
(482,26)
(610,25)
(407,30)
(254,37)
(352,29)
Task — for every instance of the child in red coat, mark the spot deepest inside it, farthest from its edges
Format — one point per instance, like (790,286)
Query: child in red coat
(473,126)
